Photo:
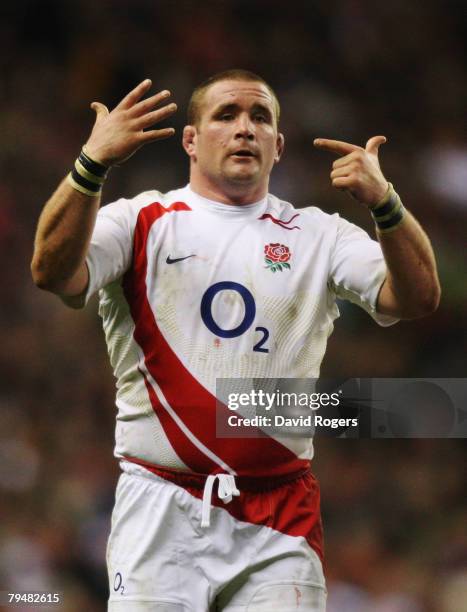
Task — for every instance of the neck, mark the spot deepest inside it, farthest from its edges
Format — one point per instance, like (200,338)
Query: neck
(235,195)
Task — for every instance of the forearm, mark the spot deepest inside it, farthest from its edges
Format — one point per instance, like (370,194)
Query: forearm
(412,288)
(62,238)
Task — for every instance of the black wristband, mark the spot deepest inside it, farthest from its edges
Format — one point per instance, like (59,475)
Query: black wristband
(87,176)
(389,213)
(92,166)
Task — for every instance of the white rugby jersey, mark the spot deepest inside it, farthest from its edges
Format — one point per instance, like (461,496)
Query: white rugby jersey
(191,290)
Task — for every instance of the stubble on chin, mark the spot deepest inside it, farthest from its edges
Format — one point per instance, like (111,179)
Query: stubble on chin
(241,176)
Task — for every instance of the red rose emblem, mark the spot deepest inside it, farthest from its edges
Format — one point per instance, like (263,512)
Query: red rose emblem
(277,252)
(276,257)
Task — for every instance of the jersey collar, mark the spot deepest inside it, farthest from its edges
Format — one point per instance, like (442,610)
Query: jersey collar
(235,212)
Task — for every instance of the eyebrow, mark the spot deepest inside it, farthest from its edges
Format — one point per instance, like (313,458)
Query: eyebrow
(232,107)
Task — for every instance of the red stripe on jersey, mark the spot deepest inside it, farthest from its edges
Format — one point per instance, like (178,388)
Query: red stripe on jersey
(194,405)
(134,285)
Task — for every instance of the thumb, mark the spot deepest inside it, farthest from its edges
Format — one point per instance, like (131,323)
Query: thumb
(374,143)
(101,110)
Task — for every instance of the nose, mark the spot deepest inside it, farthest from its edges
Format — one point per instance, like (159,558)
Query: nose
(245,127)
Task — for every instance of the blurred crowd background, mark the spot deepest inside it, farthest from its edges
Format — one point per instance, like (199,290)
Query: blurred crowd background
(395,511)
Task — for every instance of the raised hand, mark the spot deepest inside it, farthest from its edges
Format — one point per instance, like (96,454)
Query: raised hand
(117,134)
(357,170)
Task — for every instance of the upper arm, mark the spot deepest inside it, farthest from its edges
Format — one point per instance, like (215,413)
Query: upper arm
(387,303)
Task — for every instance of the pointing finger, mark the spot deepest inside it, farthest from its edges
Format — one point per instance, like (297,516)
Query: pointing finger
(374,143)
(135,94)
(335,146)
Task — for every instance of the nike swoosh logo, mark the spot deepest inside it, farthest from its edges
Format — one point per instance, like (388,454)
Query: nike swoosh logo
(171,261)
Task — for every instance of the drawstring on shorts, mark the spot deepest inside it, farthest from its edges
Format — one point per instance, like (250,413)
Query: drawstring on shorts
(226,489)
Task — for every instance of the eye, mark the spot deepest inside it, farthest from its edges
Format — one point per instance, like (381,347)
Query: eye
(261,118)
(226,117)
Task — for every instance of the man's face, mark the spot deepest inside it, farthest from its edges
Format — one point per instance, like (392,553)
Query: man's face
(236,142)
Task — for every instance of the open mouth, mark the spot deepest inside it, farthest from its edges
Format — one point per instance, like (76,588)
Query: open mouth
(243,153)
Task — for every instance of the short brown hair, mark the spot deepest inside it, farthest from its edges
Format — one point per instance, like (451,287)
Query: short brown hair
(234,74)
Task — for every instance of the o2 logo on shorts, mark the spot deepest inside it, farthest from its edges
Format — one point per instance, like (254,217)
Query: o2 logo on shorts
(118,583)
(244,325)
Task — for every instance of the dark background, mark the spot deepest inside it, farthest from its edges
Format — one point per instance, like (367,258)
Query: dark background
(395,510)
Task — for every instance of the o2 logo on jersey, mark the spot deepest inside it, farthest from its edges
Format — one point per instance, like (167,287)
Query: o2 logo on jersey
(244,325)
(118,583)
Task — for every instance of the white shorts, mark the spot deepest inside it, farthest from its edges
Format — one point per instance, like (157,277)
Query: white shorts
(160,558)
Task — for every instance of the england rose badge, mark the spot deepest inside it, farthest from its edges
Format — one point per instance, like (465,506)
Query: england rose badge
(277,256)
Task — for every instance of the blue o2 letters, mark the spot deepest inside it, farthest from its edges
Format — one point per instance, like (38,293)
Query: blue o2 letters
(245,324)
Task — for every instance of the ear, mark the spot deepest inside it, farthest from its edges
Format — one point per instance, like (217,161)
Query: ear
(189,140)
(280,143)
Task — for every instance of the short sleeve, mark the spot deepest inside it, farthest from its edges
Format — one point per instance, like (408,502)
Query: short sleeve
(110,249)
(358,269)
